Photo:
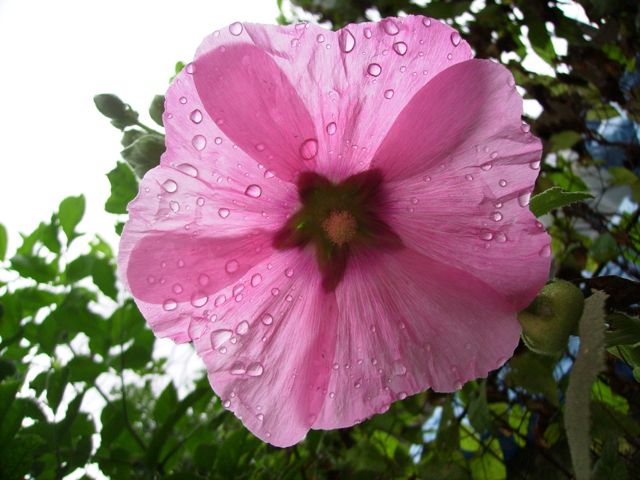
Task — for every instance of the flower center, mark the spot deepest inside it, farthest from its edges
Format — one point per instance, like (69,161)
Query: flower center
(336,219)
(340,227)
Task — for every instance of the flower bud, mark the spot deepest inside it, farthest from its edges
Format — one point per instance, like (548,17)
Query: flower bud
(552,316)
(119,112)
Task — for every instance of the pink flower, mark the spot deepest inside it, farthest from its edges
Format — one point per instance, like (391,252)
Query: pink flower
(340,220)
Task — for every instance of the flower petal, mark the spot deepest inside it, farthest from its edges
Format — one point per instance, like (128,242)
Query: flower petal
(407,323)
(188,238)
(269,355)
(460,169)
(261,81)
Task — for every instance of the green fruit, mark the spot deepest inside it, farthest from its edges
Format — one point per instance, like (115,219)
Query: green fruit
(552,316)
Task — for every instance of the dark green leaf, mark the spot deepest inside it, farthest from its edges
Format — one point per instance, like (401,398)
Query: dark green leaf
(34,267)
(104,276)
(56,384)
(84,369)
(157,109)
(144,154)
(79,268)
(70,213)
(124,188)
(625,330)
(553,198)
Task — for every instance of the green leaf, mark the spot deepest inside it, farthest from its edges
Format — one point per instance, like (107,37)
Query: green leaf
(79,268)
(119,112)
(604,248)
(564,140)
(84,369)
(589,362)
(4,240)
(625,330)
(34,267)
(534,373)
(478,409)
(124,188)
(103,273)
(156,109)
(489,465)
(56,385)
(70,213)
(144,154)
(166,403)
(553,198)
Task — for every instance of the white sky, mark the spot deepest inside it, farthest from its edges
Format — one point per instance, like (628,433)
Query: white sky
(54,57)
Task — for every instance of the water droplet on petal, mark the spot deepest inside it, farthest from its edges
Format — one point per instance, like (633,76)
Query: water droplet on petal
(235,28)
(267,319)
(336,366)
(331,128)
(501,237)
(388,94)
(255,369)
(374,69)
(486,166)
(199,142)
(346,41)
(275,292)
(177,289)
(196,116)
(269,174)
(449,56)
(260,147)
(496,216)
(426,22)
(524,198)
(367,33)
(502,183)
(200,201)
(402,395)
(182,100)
(457,385)
(174,206)
(320,38)
(170,305)
(242,328)
(203,280)
(494,155)
(526,128)
(357,383)
(232,266)
(256,280)
(224,212)
(199,299)
(289,272)
(190,68)
(238,368)
(390,27)
(535,165)
(400,48)
(545,251)
(188,169)
(332,395)
(253,191)
(217,140)
(455,38)
(219,337)
(220,299)
(226,403)
(399,368)
(170,186)
(468,177)
(486,236)
(309,148)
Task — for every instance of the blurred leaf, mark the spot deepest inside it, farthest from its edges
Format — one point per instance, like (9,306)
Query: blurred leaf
(589,362)
(534,373)
(625,330)
(604,248)
(144,154)
(166,403)
(564,140)
(124,188)
(478,409)
(103,273)
(610,465)
(553,198)
(4,238)
(156,109)
(34,267)
(79,268)
(70,213)
(84,369)
(489,465)
(56,384)
(448,437)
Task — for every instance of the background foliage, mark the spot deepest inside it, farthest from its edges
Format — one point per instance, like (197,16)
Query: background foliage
(81,390)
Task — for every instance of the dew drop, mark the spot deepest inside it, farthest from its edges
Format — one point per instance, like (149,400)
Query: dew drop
(174,206)
(526,128)
(182,100)
(400,48)
(224,212)
(388,94)
(275,292)
(177,289)
(502,183)
(449,56)
(468,177)
(455,38)
(535,165)
(320,38)
(267,319)
(188,169)
(190,68)
(493,155)
(496,216)
(331,128)
(426,178)
(226,403)
(545,251)
(235,28)
(269,174)
(203,280)
(426,22)
(199,299)
(253,191)
(260,147)
(255,369)
(367,33)
(486,236)
(309,148)
(220,299)
(332,395)
(289,272)
(374,69)
(486,166)
(196,116)
(170,186)
(402,395)
(501,237)
(358,383)
(260,417)
(151,279)
(217,140)
(390,27)
(197,328)
(232,266)
(524,198)
(336,366)
(219,337)
(199,142)
(238,368)
(346,40)
(457,385)
(242,328)
(169,305)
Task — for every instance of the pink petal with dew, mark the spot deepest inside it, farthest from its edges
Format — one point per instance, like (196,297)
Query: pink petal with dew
(259,82)
(189,236)
(407,323)
(269,354)
(460,169)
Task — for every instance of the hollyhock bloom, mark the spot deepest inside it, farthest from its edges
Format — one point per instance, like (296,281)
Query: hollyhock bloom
(340,219)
